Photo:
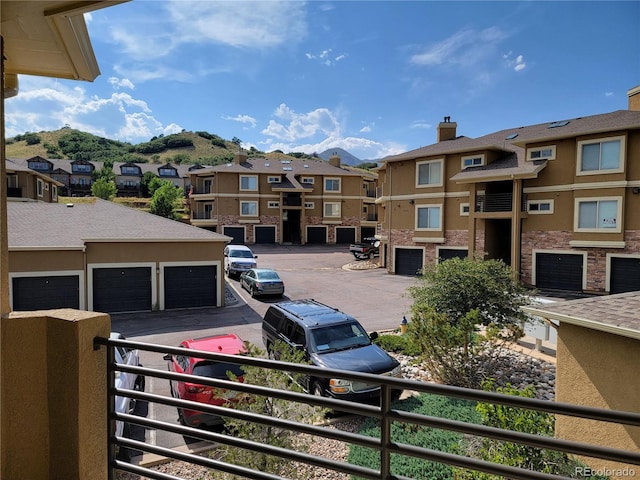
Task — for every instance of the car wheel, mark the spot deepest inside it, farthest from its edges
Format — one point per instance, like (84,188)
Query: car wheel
(371,255)
(316,389)
(173,394)
(253,292)
(181,417)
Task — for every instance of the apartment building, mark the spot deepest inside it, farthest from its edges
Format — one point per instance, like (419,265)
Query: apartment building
(557,201)
(284,200)
(24,184)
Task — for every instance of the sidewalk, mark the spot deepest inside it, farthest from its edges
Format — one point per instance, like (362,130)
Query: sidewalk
(527,346)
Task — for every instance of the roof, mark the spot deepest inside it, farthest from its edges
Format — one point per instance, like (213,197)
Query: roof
(13,167)
(617,314)
(38,225)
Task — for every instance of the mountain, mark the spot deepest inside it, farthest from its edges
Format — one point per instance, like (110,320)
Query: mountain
(345,157)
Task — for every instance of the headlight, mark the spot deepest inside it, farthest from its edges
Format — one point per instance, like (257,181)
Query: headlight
(339,385)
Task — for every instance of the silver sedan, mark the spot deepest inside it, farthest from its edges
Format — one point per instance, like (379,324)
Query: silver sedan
(262,281)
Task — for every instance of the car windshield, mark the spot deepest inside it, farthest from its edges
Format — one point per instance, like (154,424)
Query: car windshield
(338,337)
(268,275)
(216,369)
(240,254)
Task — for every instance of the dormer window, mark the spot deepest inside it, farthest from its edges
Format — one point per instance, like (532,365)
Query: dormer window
(472,161)
(542,153)
(130,170)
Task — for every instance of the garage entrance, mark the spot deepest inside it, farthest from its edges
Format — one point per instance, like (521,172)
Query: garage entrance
(408,261)
(46,292)
(190,286)
(345,235)
(317,235)
(559,271)
(265,234)
(237,233)
(625,274)
(122,289)
(447,253)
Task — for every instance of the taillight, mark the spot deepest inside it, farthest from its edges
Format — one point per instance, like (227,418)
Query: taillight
(193,388)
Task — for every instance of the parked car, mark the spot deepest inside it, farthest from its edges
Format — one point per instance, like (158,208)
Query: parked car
(126,380)
(238,259)
(368,248)
(229,344)
(262,281)
(330,339)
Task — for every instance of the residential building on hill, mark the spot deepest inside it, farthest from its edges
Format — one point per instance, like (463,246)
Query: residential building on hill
(298,201)
(24,184)
(558,201)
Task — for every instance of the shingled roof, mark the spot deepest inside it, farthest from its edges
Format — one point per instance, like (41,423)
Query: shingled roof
(33,225)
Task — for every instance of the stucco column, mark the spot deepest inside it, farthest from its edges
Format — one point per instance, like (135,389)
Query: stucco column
(516,227)
(472,220)
(54,395)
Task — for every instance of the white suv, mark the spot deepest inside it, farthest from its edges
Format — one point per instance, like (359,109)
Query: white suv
(238,259)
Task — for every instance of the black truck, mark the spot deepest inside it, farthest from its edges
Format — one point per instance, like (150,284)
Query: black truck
(368,248)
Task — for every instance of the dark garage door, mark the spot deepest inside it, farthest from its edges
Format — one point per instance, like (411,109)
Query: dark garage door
(345,235)
(558,271)
(122,289)
(625,274)
(408,261)
(44,293)
(190,286)
(237,233)
(316,234)
(447,253)
(265,234)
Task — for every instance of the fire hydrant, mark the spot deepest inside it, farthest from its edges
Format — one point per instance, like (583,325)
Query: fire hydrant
(403,325)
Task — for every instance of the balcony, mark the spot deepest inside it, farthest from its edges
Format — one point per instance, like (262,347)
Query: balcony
(497,202)
(14,192)
(201,215)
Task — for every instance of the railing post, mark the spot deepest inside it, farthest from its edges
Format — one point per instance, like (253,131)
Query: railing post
(385,433)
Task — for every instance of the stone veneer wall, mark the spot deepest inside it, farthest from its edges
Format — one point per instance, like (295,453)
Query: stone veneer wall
(596,257)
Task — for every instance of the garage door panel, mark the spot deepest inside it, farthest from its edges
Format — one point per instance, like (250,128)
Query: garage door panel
(265,234)
(625,274)
(558,271)
(122,289)
(408,261)
(345,235)
(317,235)
(448,253)
(237,233)
(46,292)
(190,286)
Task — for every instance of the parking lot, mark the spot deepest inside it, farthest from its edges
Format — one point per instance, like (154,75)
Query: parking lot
(377,299)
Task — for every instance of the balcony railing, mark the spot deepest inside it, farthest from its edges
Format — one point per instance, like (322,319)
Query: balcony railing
(202,215)
(292,201)
(14,192)
(497,202)
(384,413)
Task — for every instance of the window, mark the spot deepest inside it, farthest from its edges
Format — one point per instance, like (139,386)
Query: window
(332,209)
(39,165)
(167,172)
(40,188)
(542,153)
(428,217)
(273,179)
(331,184)
(83,167)
(207,186)
(273,204)
(12,181)
(208,210)
(249,209)
(54,193)
(248,182)
(472,161)
(309,205)
(464,209)
(429,174)
(540,206)
(129,170)
(597,215)
(595,156)
(308,180)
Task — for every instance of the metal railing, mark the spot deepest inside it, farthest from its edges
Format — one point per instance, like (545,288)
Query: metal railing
(497,202)
(384,413)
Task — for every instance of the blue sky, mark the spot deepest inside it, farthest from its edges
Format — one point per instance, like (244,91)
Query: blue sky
(374,78)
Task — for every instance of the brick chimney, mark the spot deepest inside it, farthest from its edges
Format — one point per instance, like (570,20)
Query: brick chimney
(447,130)
(240,158)
(634,98)
(334,160)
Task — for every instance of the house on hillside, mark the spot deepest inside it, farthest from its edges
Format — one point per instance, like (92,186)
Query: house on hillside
(24,184)
(556,201)
(299,201)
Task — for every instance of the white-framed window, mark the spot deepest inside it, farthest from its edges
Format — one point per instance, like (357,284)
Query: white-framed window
(40,187)
(602,214)
(603,155)
(249,209)
(332,209)
(429,173)
(54,193)
(548,152)
(273,179)
(249,182)
(464,209)
(12,181)
(273,204)
(208,211)
(540,206)
(428,217)
(309,205)
(308,180)
(332,184)
(472,161)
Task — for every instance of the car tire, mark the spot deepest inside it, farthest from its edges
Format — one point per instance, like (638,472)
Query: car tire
(181,419)
(253,292)
(316,389)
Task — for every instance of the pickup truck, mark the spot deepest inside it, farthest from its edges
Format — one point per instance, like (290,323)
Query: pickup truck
(369,248)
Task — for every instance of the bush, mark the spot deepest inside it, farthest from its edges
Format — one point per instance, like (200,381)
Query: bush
(425,437)
(401,344)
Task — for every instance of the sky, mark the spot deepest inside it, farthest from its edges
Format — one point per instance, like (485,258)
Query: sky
(371,77)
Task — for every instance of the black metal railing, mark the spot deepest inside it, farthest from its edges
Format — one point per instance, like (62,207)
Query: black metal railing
(497,202)
(202,215)
(384,413)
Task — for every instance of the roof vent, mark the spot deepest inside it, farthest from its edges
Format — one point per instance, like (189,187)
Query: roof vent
(558,124)
(69,205)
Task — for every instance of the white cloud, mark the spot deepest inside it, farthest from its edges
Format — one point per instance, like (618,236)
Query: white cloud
(117,83)
(325,57)
(242,119)
(421,124)
(296,126)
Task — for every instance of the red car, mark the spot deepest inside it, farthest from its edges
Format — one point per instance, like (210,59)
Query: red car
(229,344)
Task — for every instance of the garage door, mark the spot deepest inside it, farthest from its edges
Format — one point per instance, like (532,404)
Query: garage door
(316,234)
(345,235)
(366,232)
(122,289)
(265,234)
(625,274)
(559,271)
(44,293)
(447,253)
(190,286)
(237,233)
(408,261)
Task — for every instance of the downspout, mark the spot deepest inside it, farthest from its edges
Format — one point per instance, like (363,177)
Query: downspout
(5,307)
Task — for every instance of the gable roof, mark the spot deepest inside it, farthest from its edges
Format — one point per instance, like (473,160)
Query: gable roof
(13,167)
(70,226)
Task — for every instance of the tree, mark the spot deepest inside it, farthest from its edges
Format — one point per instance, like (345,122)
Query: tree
(454,302)
(104,188)
(147,177)
(165,200)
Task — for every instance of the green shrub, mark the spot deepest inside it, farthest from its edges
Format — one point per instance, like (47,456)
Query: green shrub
(426,437)
(398,344)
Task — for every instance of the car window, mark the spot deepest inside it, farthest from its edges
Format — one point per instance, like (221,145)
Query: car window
(287,330)
(240,254)
(268,275)
(338,337)
(297,337)
(216,369)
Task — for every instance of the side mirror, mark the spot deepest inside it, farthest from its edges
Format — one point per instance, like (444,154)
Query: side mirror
(373,335)
(255,256)
(167,357)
